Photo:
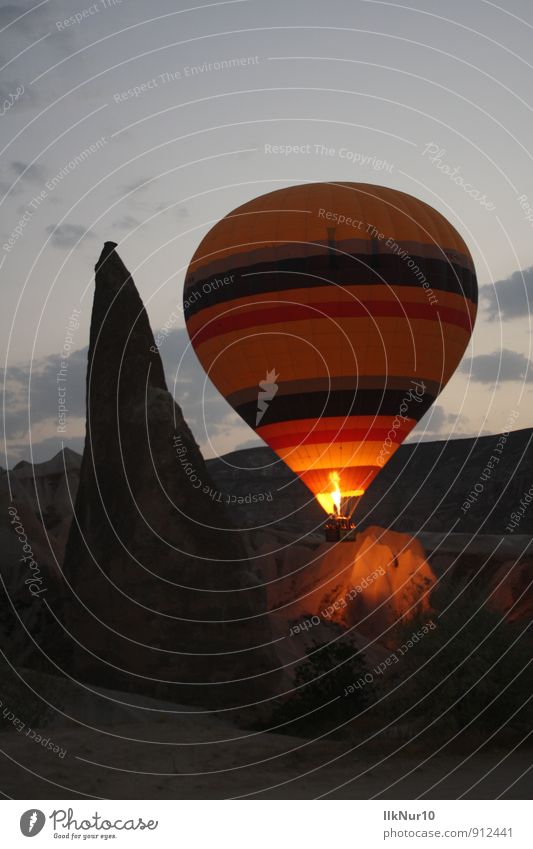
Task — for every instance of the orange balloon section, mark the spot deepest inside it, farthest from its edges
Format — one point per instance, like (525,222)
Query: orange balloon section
(330,316)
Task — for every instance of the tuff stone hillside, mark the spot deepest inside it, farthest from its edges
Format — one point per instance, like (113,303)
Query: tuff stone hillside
(454,486)
(36,502)
(422,488)
(159,594)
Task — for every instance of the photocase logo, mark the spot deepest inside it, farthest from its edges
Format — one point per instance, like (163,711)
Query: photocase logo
(32,822)
(267,389)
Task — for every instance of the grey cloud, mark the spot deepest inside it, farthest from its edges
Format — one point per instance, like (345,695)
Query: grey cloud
(127,222)
(25,20)
(182,211)
(14,96)
(67,235)
(499,367)
(32,173)
(28,19)
(509,298)
(19,17)
(142,183)
(250,443)
(195,401)
(187,389)
(43,397)
(40,451)
(436,423)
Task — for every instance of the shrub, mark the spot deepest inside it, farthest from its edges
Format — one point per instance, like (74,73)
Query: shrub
(469,660)
(325,689)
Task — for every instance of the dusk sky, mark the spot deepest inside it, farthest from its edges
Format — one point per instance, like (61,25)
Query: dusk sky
(146,123)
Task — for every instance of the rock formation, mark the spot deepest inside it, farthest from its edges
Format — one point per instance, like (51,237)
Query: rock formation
(436,486)
(263,492)
(368,585)
(161,598)
(36,499)
(49,490)
(424,487)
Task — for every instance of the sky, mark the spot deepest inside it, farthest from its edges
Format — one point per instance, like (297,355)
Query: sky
(120,123)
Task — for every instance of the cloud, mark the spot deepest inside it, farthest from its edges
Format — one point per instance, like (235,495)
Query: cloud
(223,428)
(509,298)
(215,424)
(127,222)
(14,96)
(249,443)
(499,367)
(28,20)
(42,390)
(17,16)
(435,424)
(24,173)
(32,173)
(67,235)
(141,184)
(40,415)
(40,451)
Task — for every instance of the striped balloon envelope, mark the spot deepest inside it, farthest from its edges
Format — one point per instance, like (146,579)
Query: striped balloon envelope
(330,316)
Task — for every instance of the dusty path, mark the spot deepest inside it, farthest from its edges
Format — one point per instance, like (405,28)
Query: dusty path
(188,764)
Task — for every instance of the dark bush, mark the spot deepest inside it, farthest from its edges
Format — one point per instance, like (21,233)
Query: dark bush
(327,689)
(472,658)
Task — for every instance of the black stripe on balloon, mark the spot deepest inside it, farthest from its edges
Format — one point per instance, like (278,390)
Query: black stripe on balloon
(410,403)
(314,271)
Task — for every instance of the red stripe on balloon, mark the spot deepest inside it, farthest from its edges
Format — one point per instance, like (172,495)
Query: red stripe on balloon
(352,477)
(334,436)
(332,309)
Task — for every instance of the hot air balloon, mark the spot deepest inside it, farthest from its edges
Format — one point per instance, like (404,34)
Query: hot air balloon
(330,316)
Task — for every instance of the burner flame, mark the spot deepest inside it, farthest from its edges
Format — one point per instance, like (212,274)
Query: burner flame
(335,481)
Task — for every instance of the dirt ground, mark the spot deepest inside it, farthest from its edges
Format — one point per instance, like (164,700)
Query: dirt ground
(198,756)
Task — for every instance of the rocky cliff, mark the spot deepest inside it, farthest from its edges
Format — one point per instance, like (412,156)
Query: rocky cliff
(36,502)
(367,585)
(160,596)
(426,486)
